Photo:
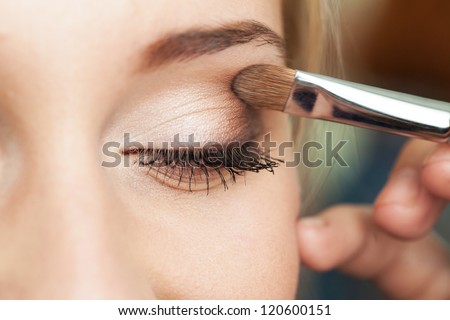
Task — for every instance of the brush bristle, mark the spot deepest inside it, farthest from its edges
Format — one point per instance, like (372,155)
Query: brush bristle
(264,86)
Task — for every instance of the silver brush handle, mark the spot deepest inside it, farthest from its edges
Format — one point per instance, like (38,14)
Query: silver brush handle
(327,98)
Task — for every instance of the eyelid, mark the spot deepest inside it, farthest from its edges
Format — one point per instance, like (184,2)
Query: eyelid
(235,128)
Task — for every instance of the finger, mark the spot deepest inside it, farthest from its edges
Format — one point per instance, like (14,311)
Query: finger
(436,172)
(405,207)
(345,237)
(335,236)
(420,271)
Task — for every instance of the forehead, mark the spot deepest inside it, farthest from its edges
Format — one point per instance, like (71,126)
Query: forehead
(73,45)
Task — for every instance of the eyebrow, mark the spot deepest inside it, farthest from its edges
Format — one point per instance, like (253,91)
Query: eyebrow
(200,41)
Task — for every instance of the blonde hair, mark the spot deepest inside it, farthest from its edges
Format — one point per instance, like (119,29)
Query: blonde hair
(312,31)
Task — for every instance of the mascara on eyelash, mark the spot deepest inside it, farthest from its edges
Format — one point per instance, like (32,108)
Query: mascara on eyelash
(190,164)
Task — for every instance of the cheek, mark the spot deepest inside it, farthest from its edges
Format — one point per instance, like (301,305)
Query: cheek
(239,246)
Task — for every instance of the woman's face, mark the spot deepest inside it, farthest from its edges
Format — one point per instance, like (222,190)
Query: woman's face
(76,78)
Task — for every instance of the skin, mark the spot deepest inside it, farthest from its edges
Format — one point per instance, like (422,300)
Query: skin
(391,242)
(71,228)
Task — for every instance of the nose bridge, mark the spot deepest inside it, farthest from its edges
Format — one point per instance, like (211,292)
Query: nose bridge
(62,236)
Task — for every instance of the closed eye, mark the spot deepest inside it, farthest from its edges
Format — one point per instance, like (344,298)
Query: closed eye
(197,169)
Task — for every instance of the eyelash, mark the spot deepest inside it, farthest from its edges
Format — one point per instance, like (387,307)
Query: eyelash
(191,163)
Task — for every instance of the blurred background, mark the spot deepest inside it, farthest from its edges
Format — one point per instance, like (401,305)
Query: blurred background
(403,45)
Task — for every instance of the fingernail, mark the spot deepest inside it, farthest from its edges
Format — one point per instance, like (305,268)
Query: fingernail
(313,222)
(402,188)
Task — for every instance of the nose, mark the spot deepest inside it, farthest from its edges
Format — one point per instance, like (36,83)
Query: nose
(63,233)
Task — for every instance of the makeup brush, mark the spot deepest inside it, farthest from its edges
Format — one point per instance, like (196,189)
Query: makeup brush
(315,96)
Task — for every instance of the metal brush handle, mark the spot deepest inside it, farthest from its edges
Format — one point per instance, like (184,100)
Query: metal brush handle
(327,98)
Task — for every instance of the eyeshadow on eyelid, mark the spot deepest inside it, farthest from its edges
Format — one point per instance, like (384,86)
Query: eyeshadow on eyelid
(204,106)
(248,126)
(225,120)
(238,124)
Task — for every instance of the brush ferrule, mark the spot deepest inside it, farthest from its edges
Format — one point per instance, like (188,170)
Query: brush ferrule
(321,97)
